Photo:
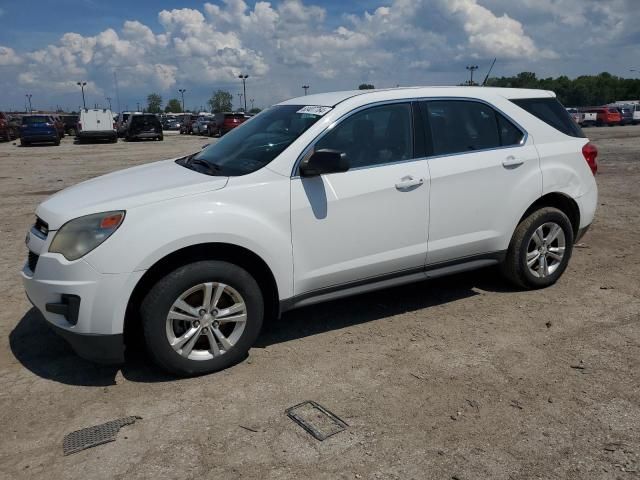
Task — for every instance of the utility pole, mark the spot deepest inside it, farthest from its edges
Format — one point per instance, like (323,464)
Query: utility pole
(240,97)
(182,90)
(115,80)
(28,95)
(82,84)
(244,77)
(305,88)
(108,99)
(471,68)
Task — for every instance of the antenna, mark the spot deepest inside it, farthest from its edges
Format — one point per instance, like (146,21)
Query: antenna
(489,72)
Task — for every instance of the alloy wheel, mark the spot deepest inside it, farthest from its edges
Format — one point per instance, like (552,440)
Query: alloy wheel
(206,321)
(545,250)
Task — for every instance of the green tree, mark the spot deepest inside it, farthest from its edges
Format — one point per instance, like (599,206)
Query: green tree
(221,101)
(366,86)
(154,103)
(173,106)
(255,110)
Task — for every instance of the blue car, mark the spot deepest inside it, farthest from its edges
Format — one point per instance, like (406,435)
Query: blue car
(38,129)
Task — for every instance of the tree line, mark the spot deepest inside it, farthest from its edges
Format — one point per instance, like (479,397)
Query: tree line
(220,101)
(583,91)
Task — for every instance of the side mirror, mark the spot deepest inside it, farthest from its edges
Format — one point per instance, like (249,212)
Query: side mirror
(324,161)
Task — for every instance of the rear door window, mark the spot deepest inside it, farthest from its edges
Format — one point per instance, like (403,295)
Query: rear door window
(459,126)
(551,112)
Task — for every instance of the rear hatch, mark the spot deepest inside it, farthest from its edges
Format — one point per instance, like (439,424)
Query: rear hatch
(232,120)
(145,124)
(37,125)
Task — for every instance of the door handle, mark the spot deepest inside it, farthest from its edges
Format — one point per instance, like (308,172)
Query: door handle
(409,182)
(512,161)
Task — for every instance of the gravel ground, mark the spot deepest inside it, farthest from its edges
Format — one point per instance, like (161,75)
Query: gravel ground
(463,377)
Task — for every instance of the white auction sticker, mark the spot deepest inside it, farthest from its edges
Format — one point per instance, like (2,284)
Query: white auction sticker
(314,110)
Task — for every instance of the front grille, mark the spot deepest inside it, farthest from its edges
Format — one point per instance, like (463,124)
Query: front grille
(33,260)
(41,226)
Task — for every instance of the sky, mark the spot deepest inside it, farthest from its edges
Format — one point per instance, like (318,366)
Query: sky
(161,46)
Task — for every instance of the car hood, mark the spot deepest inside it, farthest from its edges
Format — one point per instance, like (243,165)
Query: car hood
(126,189)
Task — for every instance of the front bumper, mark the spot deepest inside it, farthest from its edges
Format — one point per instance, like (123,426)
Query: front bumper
(85,307)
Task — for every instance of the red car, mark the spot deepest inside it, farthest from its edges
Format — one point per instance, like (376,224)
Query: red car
(224,122)
(606,116)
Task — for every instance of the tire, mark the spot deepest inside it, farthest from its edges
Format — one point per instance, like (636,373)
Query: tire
(523,245)
(56,142)
(240,288)
(24,142)
(161,138)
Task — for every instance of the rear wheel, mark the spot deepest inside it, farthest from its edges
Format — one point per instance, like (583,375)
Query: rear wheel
(24,142)
(202,317)
(540,249)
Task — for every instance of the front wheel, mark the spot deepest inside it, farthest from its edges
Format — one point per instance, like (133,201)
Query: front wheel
(202,317)
(540,249)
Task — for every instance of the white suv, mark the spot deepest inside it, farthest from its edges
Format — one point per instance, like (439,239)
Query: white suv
(316,198)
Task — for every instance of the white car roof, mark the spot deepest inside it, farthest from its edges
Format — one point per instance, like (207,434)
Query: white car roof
(331,99)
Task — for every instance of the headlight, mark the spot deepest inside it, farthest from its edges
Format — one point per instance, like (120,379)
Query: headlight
(78,237)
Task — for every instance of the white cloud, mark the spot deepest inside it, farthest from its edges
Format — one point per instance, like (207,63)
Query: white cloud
(8,56)
(284,44)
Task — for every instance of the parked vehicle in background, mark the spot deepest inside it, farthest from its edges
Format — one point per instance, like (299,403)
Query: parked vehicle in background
(201,126)
(589,119)
(121,123)
(225,122)
(96,124)
(186,127)
(38,129)
(634,106)
(170,124)
(605,116)
(319,197)
(626,115)
(577,115)
(143,126)
(59,125)
(8,130)
(70,124)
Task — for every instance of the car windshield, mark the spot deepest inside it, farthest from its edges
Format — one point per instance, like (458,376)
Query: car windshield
(253,144)
(34,120)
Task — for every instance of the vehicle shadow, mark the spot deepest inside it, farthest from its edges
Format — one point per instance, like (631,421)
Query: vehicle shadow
(48,356)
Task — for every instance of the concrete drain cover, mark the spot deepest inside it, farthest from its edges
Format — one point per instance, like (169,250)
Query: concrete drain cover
(96,435)
(316,419)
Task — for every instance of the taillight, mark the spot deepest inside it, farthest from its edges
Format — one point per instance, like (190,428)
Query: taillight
(590,153)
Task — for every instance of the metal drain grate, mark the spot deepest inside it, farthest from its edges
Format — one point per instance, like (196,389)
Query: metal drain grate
(96,435)
(316,419)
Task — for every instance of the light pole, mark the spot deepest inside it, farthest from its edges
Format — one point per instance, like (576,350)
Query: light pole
(251,100)
(108,99)
(182,90)
(28,95)
(240,97)
(244,77)
(305,88)
(471,68)
(82,84)
(138,105)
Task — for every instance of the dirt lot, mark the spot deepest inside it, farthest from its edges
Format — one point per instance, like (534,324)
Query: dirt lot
(458,378)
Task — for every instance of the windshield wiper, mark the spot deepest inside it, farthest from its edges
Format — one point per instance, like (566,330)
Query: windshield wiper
(211,168)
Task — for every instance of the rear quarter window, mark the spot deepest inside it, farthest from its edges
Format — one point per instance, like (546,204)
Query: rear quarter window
(551,112)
